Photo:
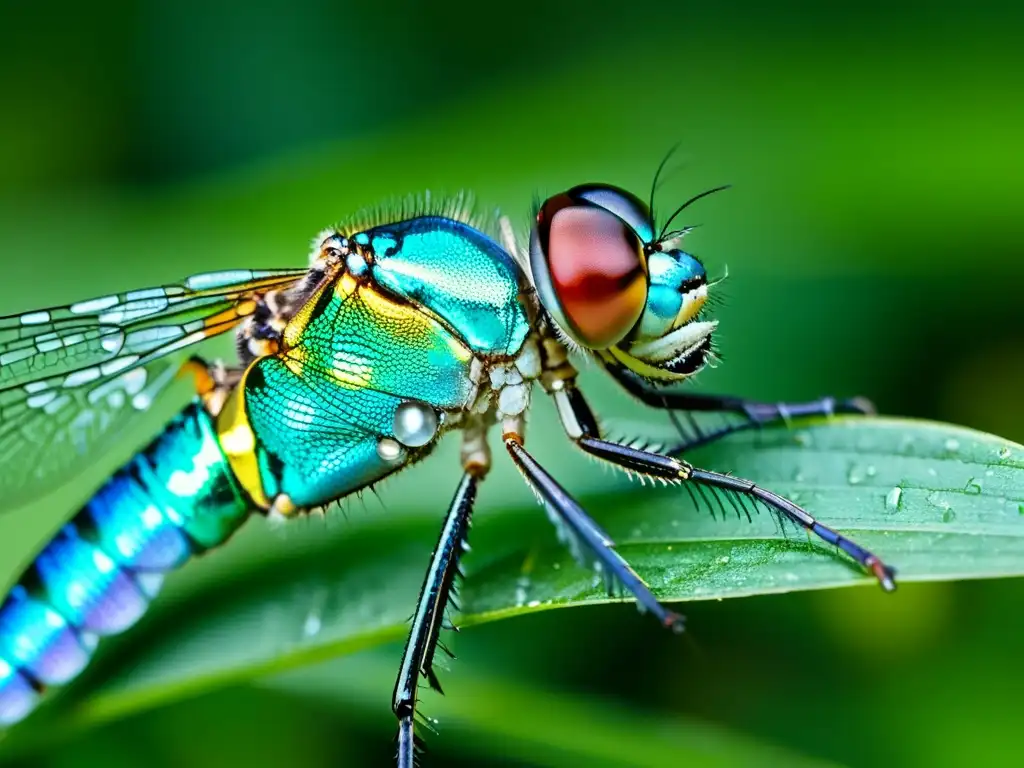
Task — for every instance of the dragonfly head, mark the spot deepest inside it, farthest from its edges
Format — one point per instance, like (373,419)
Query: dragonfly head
(612,284)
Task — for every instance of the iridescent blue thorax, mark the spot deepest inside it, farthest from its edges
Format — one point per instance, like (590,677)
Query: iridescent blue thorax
(456,273)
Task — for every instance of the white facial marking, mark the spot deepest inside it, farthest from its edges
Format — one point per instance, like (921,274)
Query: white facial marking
(675,344)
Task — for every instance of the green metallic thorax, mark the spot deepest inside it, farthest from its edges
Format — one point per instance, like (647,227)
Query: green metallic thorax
(455,272)
(403,320)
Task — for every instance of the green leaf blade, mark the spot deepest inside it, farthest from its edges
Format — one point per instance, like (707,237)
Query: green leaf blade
(957,514)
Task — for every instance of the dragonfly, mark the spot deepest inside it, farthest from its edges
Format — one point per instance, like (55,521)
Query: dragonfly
(404,327)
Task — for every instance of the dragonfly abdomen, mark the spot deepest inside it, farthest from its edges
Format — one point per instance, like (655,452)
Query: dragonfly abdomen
(176,498)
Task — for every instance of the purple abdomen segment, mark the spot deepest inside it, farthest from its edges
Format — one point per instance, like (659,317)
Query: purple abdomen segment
(176,498)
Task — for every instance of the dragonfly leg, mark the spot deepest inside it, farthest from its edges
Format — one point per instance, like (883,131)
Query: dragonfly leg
(588,543)
(754,414)
(213,381)
(435,594)
(580,425)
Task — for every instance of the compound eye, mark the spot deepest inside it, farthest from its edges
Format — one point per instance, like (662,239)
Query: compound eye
(623,204)
(590,270)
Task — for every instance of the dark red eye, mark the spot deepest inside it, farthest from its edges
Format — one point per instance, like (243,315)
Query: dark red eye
(590,270)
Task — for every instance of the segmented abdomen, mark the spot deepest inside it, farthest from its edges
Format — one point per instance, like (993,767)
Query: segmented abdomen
(174,499)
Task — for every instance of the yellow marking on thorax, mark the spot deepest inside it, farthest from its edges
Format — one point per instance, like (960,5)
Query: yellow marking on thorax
(294,359)
(352,372)
(238,442)
(402,322)
(417,327)
(297,325)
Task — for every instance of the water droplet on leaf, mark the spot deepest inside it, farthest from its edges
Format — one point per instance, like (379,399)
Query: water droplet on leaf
(312,625)
(522,587)
(892,499)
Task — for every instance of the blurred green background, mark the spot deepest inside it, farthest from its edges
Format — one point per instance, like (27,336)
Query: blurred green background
(874,244)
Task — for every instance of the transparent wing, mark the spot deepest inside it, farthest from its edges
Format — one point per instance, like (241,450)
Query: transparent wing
(71,377)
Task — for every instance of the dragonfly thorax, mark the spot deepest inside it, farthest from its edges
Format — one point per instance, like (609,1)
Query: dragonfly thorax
(399,334)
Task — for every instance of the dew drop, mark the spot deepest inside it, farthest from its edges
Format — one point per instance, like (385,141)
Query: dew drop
(533,604)
(522,586)
(932,472)
(936,500)
(871,471)
(1004,452)
(415,424)
(855,476)
(389,450)
(724,559)
(989,473)
(892,499)
(952,445)
(312,625)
